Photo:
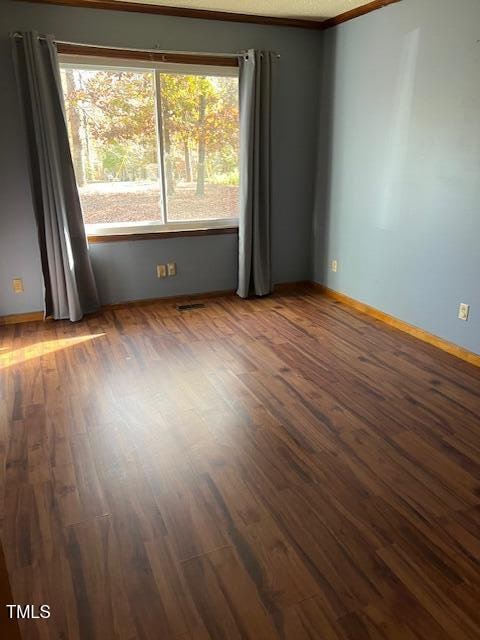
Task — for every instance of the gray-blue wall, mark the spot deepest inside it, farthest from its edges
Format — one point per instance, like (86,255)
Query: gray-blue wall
(395,196)
(398,201)
(126,270)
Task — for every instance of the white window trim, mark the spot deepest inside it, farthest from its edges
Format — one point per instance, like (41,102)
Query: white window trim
(154,226)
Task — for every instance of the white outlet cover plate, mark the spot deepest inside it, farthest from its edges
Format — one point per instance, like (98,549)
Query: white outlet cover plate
(463,311)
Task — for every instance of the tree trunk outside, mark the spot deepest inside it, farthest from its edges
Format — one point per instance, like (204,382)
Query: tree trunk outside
(76,137)
(201,147)
(168,160)
(188,166)
(87,157)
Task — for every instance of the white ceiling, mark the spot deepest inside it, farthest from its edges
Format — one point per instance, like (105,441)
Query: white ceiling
(305,9)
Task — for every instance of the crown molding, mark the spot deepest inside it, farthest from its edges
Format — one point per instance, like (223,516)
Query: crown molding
(355,13)
(226,16)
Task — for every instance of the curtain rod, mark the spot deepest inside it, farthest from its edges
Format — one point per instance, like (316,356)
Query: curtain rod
(155,50)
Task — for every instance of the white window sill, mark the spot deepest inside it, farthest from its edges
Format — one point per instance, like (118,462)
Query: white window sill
(144,231)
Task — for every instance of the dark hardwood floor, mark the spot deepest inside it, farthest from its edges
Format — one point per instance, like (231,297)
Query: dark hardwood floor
(276,468)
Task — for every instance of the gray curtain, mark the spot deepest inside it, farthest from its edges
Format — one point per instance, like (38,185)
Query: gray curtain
(70,289)
(254,270)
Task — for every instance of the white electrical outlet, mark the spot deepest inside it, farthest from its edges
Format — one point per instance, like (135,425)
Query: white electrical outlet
(172,268)
(334,266)
(17,285)
(463,311)
(161,270)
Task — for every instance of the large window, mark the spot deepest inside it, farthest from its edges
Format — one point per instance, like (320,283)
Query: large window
(154,145)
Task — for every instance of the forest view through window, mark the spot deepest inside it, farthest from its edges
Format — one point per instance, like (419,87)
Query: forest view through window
(153,146)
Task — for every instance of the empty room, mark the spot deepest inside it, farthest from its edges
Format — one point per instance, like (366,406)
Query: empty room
(240,320)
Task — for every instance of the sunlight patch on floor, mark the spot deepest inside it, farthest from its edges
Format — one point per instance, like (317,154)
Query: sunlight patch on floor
(38,349)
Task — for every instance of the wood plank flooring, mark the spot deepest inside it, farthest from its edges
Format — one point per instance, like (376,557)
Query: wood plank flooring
(276,468)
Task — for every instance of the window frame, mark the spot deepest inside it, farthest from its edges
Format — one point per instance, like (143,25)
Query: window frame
(131,60)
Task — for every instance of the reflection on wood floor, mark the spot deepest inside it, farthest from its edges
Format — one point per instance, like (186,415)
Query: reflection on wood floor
(275,468)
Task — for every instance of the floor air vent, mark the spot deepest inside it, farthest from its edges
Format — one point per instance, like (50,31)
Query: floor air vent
(189,307)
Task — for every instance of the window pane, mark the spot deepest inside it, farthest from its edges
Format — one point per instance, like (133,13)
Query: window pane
(111,117)
(201,142)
